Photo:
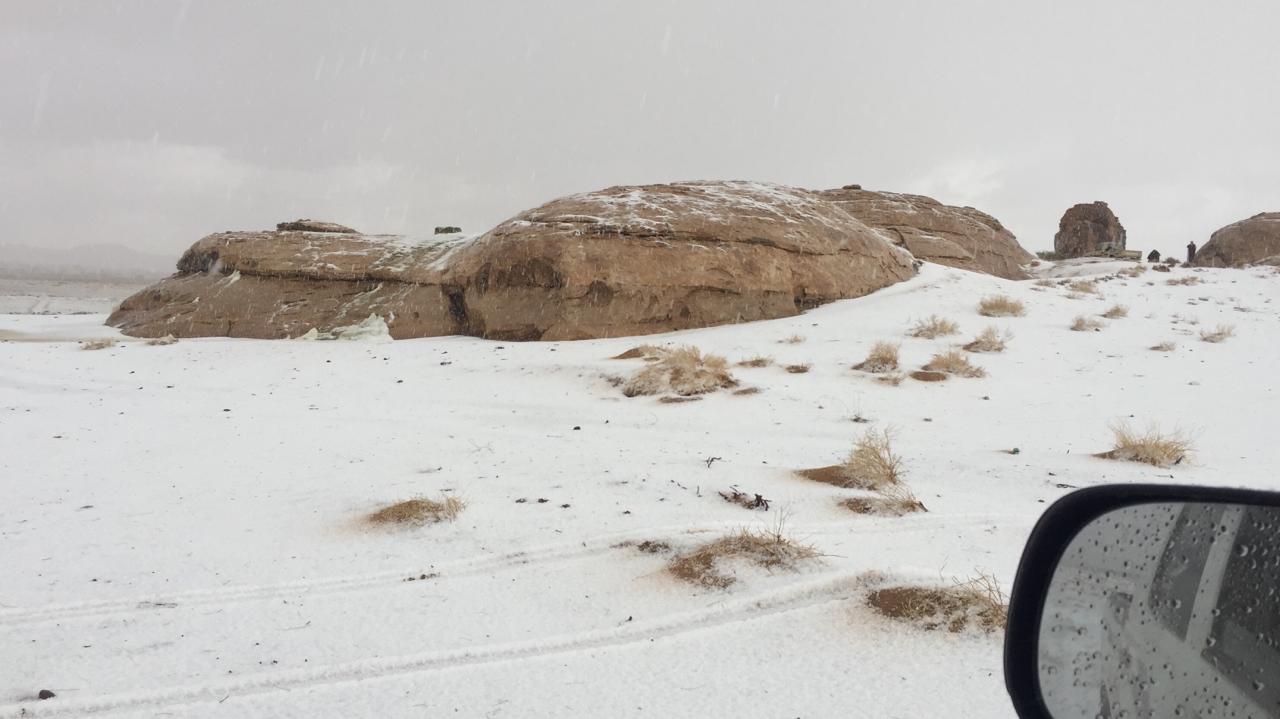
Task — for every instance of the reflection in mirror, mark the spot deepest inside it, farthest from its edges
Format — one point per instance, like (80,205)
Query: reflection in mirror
(1166,610)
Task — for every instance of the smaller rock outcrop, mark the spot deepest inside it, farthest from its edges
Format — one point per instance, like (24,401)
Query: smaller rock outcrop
(314,226)
(448,230)
(1089,228)
(1255,240)
(960,237)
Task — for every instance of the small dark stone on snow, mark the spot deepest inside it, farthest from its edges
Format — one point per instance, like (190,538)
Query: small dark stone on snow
(576,427)
(564,506)
(522,500)
(543,500)
(46,694)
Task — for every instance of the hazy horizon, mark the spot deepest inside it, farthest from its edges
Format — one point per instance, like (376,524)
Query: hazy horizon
(151,124)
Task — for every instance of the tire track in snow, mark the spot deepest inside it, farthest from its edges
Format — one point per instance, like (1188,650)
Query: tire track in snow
(458,568)
(736,610)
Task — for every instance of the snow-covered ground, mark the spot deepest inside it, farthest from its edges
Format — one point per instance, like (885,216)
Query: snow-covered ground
(181,534)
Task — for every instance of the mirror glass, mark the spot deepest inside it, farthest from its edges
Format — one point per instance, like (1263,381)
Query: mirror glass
(1166,610)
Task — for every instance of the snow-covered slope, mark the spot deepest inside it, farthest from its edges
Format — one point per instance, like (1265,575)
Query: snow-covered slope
(181,525)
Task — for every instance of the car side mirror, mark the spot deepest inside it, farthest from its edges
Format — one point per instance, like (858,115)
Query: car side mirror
(1148,601)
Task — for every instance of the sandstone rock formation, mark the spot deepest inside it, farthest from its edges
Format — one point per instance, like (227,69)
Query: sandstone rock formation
(1252,241)
(955,236)
(1088,229)
(315,226)
(620,261)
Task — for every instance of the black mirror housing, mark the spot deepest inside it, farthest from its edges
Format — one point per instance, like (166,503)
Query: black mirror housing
(1050,539)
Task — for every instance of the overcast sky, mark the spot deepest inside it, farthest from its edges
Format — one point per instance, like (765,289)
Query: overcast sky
(151,124)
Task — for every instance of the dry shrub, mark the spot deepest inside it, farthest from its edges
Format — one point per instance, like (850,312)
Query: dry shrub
(923,375)
(684,371)
(1187,280)
(956,363)
(1221,333)
(1164,347)
(872,464)
(989,340)
(799,368)
(92,345)
(745,391)
(746,500)
(1116,312)
(417,512)
(758,361)
(1160,268)
(882,358)
(977,602)
(1134,271)
(893,379)
(1001,306)
(1150,447)
(766,549)
(1086,287)
(1085,324)
(792,340)
(162,341)
(893,502)
(645,352)
(678,399)
(933,327)
(1045,283)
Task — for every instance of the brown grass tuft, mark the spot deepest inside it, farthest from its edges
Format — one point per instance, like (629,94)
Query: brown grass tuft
(933,327)
(684,371)
(792,340)
(1165,346)
(745,391)
(871,465)
(758,361)
(955,363)
(893,379)
(923,375)
(1116,312)
(799,368)
(765,549)
(1086,287)
(1045,282)
(1221,333)
(93,345)
(894,502)
(1001,306)
(1151,447)
(1085,324)
(976,602)
(647,352)
(1185,280)
(417,512)
(882,358)
(678,399)
(989,340)
(162,341)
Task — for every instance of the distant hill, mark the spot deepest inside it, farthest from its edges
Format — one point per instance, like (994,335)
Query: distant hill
(83,262)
